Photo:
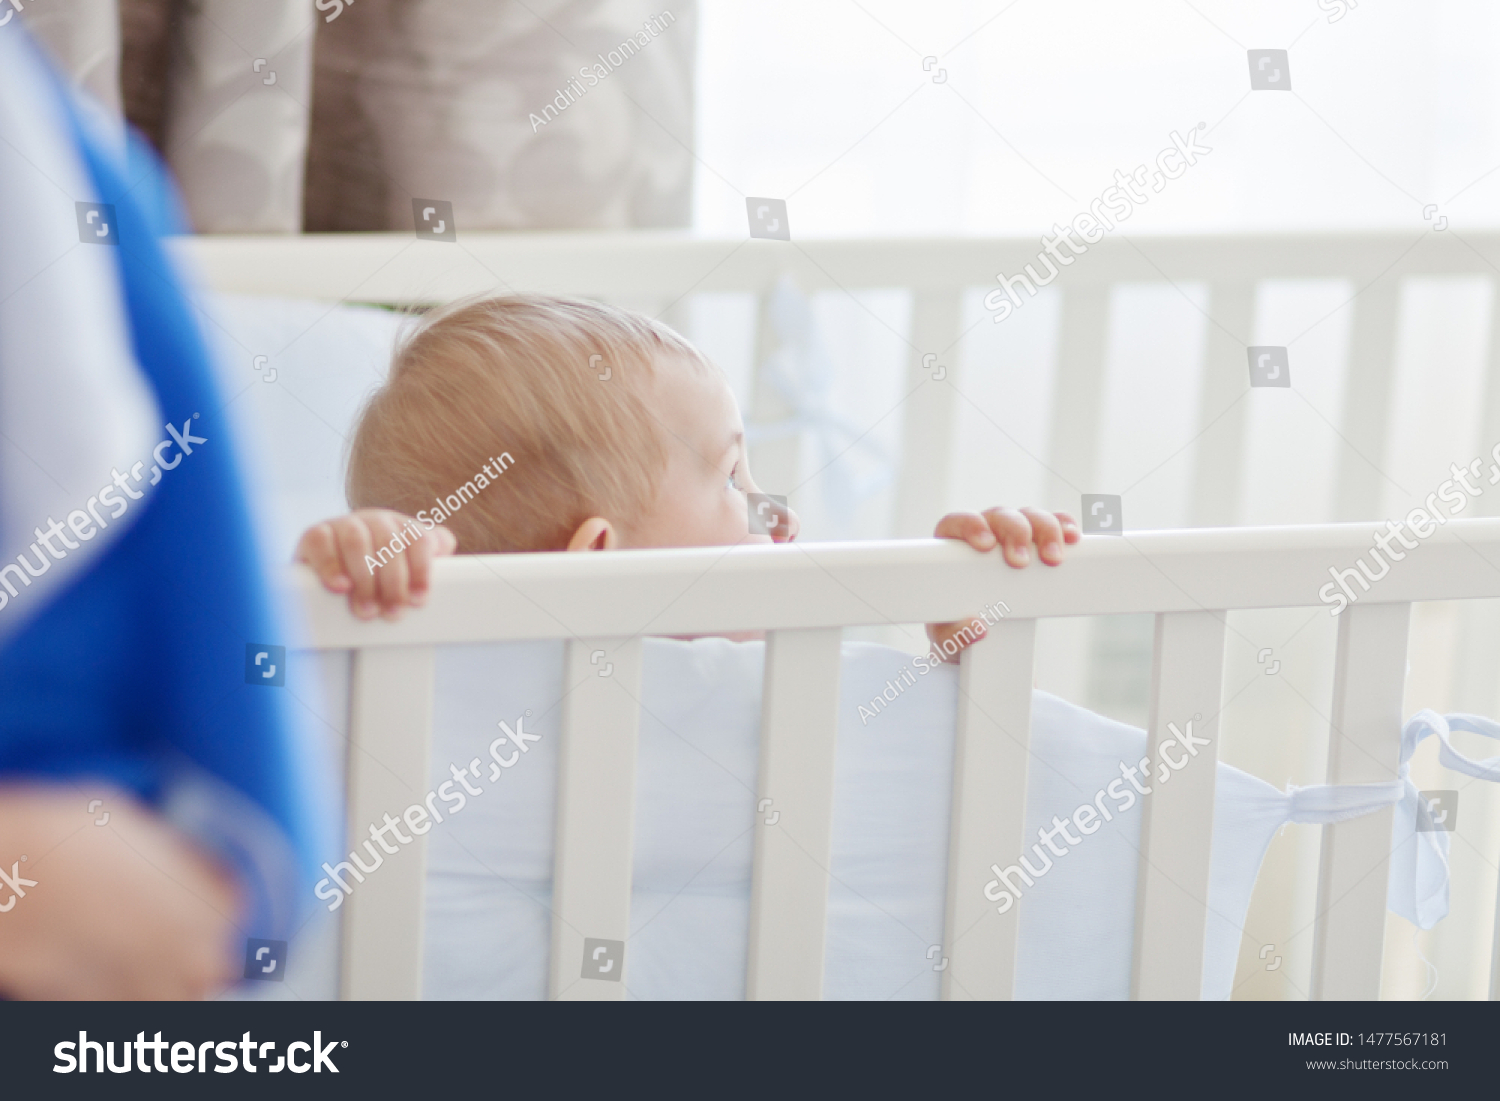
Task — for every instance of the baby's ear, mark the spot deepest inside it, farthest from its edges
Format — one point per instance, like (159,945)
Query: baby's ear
(595,533)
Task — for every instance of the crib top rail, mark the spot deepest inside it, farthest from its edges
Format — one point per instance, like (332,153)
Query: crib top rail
(396,268)
(493,598)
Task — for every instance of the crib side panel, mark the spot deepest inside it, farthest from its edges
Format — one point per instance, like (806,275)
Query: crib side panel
(594,846)
(794,815)
(990,761)
(390,737)
(1364,747)
(1177,816)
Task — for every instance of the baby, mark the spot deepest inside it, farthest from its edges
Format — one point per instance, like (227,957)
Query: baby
(557,424)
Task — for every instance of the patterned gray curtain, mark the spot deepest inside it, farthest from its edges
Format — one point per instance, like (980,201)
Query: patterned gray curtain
(238,99)
(221,87)
(83,36)
(549,114)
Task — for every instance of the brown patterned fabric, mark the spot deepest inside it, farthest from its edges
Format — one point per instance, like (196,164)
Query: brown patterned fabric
(481,103)
(146,29)
(238,103)
(525,115)
(222,88)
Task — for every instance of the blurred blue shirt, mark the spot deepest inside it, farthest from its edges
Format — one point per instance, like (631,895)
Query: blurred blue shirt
(135,670)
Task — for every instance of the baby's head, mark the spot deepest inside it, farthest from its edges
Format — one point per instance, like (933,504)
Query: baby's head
(619,432)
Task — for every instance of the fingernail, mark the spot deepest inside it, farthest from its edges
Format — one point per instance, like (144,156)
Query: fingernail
(366,609)
(418,599)
(1022,556)
(1051,552)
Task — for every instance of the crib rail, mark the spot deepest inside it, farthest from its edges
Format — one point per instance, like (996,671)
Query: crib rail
(398,268)
(803,595)
(495,598)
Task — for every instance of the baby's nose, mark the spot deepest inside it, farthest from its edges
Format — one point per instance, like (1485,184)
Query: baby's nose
(769,515)
(787,525)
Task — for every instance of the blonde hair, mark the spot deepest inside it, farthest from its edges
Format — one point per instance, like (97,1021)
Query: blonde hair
(518,376)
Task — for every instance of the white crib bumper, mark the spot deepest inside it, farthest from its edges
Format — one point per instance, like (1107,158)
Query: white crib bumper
(696,792)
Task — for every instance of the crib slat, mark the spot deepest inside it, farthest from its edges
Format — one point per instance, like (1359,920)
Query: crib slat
(928,413)
(1367,402)
(1495,952)
(794,815)
(1171,905)
(1073,454)
(1216,472)
(990,761)
(776,459)
(593,849)
(390,737)
(1078,395)
(1478,644)
(1364,747)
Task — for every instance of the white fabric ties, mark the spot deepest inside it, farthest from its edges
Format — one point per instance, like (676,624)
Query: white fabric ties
(1418,888)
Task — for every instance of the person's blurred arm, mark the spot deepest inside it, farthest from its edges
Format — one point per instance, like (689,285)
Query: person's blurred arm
(126,910)
(122,665)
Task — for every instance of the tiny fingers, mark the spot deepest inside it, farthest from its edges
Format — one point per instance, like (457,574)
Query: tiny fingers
(1046,531)
(787,530)
(434,544)
(1013,532)
(392,579)
(968,526)
(403,576)
(319,548)
(355,545)
(951,639)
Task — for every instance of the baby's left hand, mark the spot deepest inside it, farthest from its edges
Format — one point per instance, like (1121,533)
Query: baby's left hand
(1014,531)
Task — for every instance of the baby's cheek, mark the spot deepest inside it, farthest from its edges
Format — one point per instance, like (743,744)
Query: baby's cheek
(736,522)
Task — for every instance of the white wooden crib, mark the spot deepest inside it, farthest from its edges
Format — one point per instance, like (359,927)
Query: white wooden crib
(804,595)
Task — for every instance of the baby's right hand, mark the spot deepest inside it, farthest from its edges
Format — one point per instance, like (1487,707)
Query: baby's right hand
(337,551)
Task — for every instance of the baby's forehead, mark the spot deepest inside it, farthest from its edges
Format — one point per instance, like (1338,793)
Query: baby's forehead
(676,372)
(692,399)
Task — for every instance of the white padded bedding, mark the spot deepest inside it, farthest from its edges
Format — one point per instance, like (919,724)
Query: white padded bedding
(487,924)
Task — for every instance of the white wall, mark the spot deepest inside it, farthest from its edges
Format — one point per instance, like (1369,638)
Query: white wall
(1393,106)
